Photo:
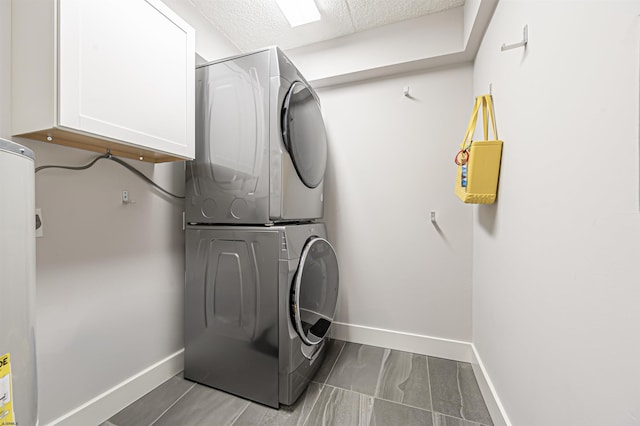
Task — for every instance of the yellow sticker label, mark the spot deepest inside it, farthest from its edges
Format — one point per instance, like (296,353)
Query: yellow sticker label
(6,400)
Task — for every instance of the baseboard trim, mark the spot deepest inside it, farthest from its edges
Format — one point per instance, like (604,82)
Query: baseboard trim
(102,407)
(105,405)
(432,346)
(494,405)
(402,341)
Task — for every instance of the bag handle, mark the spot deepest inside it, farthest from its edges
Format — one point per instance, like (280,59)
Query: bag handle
(471,128)
(487,108)
(488,114)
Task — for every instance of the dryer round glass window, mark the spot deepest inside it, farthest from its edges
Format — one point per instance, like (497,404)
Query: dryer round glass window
(315,291)
(304,134)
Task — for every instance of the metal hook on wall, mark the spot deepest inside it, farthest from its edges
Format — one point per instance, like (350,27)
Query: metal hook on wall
(523,43)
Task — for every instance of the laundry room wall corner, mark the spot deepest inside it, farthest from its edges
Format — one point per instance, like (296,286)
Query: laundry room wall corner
(403,279)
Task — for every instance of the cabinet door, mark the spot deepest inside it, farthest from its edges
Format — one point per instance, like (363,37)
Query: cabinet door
(126,72)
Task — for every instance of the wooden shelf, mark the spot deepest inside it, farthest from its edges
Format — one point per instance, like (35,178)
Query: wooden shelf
(91,143)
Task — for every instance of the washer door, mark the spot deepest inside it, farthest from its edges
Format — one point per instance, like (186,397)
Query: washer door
(315,291)
(304,134)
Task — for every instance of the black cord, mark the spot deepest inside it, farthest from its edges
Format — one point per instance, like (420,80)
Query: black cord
(117,160)
(72,167)
(141,175)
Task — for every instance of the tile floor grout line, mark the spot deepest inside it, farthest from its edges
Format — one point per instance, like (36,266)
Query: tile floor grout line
(335,362)
(460,391)
(304,421)
(324,411)
(241,412)
(171,406)
(385,357)
(458,418)
(433,409)
(348,390)
(401,403)
(318,399)
(382,399)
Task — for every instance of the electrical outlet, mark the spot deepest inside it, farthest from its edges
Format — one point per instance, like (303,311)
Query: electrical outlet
(39,224)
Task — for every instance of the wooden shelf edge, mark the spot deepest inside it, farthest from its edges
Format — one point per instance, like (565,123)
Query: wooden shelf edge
(90,143)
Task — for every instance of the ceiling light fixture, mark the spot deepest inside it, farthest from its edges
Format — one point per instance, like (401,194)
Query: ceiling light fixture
(299,12)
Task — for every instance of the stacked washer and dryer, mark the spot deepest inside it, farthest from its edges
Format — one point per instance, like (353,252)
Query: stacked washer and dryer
(261,278)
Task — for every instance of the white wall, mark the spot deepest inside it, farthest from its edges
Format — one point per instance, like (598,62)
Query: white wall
(5,68)
(556,289)
(427,36)
(109,276)
(390,164)
(440,39)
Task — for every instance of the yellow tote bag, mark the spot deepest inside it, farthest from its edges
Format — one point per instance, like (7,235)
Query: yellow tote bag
(479,161)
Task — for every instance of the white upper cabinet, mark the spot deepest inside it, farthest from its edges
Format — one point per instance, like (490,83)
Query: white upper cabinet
(100,75)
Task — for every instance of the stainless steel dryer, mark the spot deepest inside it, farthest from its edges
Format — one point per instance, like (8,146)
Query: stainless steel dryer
(259,304)
(261,147)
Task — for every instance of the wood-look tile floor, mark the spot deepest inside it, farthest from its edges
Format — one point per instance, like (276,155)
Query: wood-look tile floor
(356,385)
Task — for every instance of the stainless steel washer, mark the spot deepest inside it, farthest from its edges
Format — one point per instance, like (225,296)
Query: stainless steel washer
(259,303)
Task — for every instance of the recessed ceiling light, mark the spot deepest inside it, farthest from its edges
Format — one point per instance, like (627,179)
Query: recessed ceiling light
(299,12)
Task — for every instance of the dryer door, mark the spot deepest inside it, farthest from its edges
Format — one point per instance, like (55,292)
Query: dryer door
(315,291)
(304,134)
